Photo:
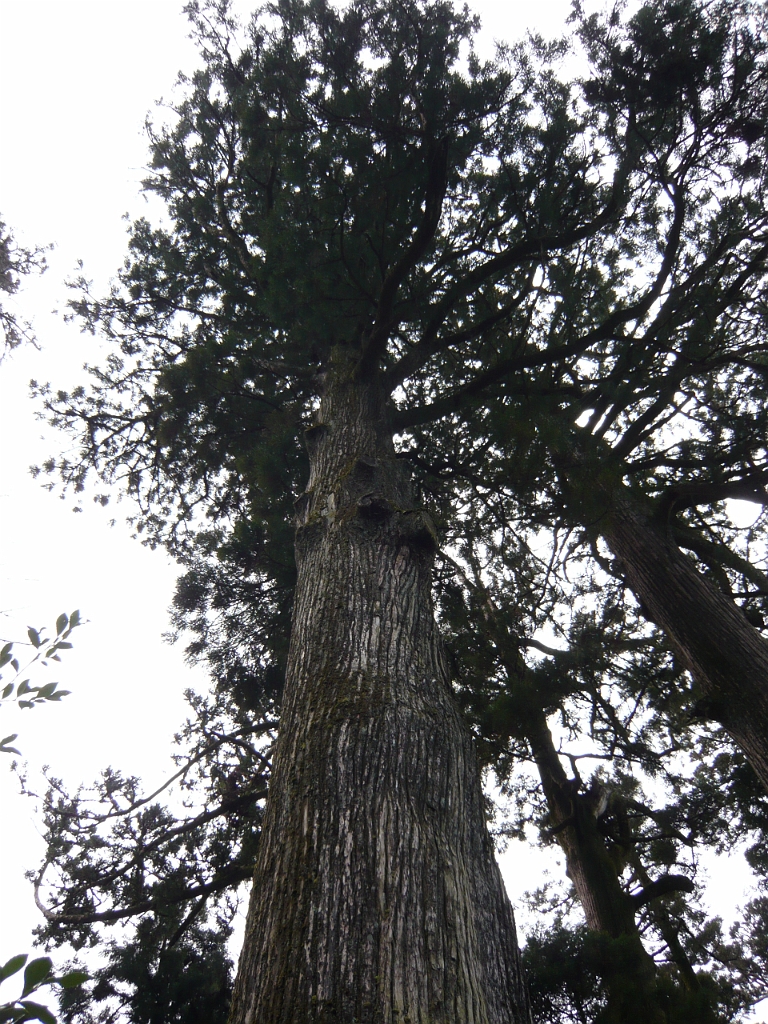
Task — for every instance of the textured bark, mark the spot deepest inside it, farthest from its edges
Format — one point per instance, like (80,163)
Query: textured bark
(376,895)
(627,969)
(725,654)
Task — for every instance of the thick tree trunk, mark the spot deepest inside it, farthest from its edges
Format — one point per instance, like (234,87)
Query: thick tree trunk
(725,654)
(376,896)
(627,969)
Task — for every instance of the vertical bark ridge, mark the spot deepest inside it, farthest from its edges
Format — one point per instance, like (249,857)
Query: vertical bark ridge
(376,894)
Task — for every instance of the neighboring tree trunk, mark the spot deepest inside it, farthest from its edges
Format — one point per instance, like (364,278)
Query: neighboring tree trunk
(725,654)
(629,972)
(627,969)
(376,896)
(637,993)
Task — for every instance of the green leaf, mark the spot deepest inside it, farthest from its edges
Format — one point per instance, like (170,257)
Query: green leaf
(63,645)
(46,691)
(38,971)
(9,1013)
(9,750)
(34,637)
(38,1012)
(74,619)
(7,690)
(16,962)
(72,979)
(61,623)
(24,687)
(15,664)
(5,654)
(26,703)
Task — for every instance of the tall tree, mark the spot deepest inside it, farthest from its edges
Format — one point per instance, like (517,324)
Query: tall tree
(403,255)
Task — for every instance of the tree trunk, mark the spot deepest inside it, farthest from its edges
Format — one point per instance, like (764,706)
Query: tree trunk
(376,895)
(725,654)
(627,969)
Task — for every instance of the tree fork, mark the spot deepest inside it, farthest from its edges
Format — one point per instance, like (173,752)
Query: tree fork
(376,894)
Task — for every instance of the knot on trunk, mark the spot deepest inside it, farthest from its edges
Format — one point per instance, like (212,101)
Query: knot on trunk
(418,530)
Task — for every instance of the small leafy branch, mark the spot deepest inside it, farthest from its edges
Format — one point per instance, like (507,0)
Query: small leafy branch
(37,974)
(27,694)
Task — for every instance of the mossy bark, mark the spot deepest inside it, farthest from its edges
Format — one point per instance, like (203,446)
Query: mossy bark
(376,896)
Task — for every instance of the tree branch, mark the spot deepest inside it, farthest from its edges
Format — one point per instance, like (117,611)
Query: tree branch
(719,555)
(527,249)
(682,496)
(663,886)
(227,881)
(437,183)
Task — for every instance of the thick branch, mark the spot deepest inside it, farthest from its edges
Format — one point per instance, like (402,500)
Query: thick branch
(719,555)
(463,398)
(227,881)
(682,496)
(663,886)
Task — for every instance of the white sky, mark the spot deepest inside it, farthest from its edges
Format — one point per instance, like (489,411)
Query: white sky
(77,78)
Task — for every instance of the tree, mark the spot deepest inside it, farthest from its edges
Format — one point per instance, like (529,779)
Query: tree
(666,326)
(414,263)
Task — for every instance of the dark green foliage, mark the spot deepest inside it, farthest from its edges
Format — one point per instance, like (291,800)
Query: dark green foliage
(158,978)
(239,620)
(563,983)
(564,966)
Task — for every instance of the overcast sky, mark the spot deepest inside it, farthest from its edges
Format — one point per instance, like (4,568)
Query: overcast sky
(77,79)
